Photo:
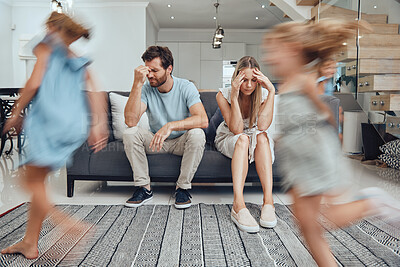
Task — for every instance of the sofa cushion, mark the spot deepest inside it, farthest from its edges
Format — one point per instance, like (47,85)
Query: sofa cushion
(80,161)
(209,102)
(391,148)
(112,162)
(390,160)
(213,124)
(118,103)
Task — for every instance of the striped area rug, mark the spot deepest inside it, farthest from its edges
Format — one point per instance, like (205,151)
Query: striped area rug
(203,235)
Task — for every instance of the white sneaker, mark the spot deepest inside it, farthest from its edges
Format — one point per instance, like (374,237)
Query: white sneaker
(244,221)
(382,204)
(268,217)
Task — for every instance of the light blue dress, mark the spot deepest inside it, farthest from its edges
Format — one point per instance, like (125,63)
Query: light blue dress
(58,120)
(329,87)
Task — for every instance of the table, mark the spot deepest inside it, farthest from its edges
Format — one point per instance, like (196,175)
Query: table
(8,96)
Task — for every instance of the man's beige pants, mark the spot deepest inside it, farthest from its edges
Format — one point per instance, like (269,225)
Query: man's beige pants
(190,146)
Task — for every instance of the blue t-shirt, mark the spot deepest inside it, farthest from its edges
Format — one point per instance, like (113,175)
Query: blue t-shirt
(329,87)
(172,106)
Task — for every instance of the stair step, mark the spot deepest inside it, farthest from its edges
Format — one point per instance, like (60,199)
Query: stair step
(307,2)
(390,102)
(385,28)
(377,40)
(329,11)
(373,66)
(393,125)
(349,53)
(379,83)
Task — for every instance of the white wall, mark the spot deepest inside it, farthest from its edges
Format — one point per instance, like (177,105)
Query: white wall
(6,66)
(252,39)
(28,20)
(117,43)
(247,36)
(152,27)
(119,39)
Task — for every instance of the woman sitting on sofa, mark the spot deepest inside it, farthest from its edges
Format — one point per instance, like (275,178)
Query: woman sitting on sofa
(247,108)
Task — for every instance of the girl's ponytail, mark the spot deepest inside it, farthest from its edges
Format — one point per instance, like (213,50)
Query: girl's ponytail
(64,23)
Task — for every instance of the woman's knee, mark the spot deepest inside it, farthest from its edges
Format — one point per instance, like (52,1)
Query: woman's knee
(242,142)
(262,138)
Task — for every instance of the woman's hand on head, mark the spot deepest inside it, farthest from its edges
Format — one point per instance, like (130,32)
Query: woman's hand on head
(263,80)
(237,83)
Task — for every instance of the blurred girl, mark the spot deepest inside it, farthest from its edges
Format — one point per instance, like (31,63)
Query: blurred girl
(308,150)
(58,120)
(247,109)
(326,71)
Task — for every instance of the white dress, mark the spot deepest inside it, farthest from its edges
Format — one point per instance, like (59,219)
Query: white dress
(225,140)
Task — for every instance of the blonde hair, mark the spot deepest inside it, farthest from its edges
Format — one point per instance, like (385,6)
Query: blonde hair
(67,25)
(323,62)
(319,40)
(244,63)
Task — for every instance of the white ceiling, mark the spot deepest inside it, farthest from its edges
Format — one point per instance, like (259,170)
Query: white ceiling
(199,14)
(233,14)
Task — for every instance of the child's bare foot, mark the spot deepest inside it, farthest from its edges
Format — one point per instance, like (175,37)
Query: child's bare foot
(382,204)
(29,251)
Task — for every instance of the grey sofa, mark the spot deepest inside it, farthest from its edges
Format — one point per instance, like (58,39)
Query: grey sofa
(111,163)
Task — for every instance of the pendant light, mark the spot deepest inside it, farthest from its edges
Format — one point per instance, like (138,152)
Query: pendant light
(56,6)
(219,32)
(59,8)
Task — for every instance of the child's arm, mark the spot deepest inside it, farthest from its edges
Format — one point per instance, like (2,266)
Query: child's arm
(98,136)
(321,88)
(42,53)
(310,90)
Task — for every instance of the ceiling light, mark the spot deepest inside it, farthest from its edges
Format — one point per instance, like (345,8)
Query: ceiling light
(262,6)
(168,5)
(256,17)
(375,7)
(172,17)
(219,32)
(344,43)
(216,43)
(59,8)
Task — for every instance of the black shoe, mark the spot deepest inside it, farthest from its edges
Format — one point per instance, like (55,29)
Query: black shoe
(182,199)
(141,196)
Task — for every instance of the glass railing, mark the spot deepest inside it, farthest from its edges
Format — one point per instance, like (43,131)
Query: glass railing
(367,79)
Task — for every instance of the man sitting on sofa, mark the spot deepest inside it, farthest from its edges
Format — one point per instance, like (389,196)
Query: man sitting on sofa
(175,114)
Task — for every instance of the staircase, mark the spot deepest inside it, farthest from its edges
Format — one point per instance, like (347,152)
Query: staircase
(379,60)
